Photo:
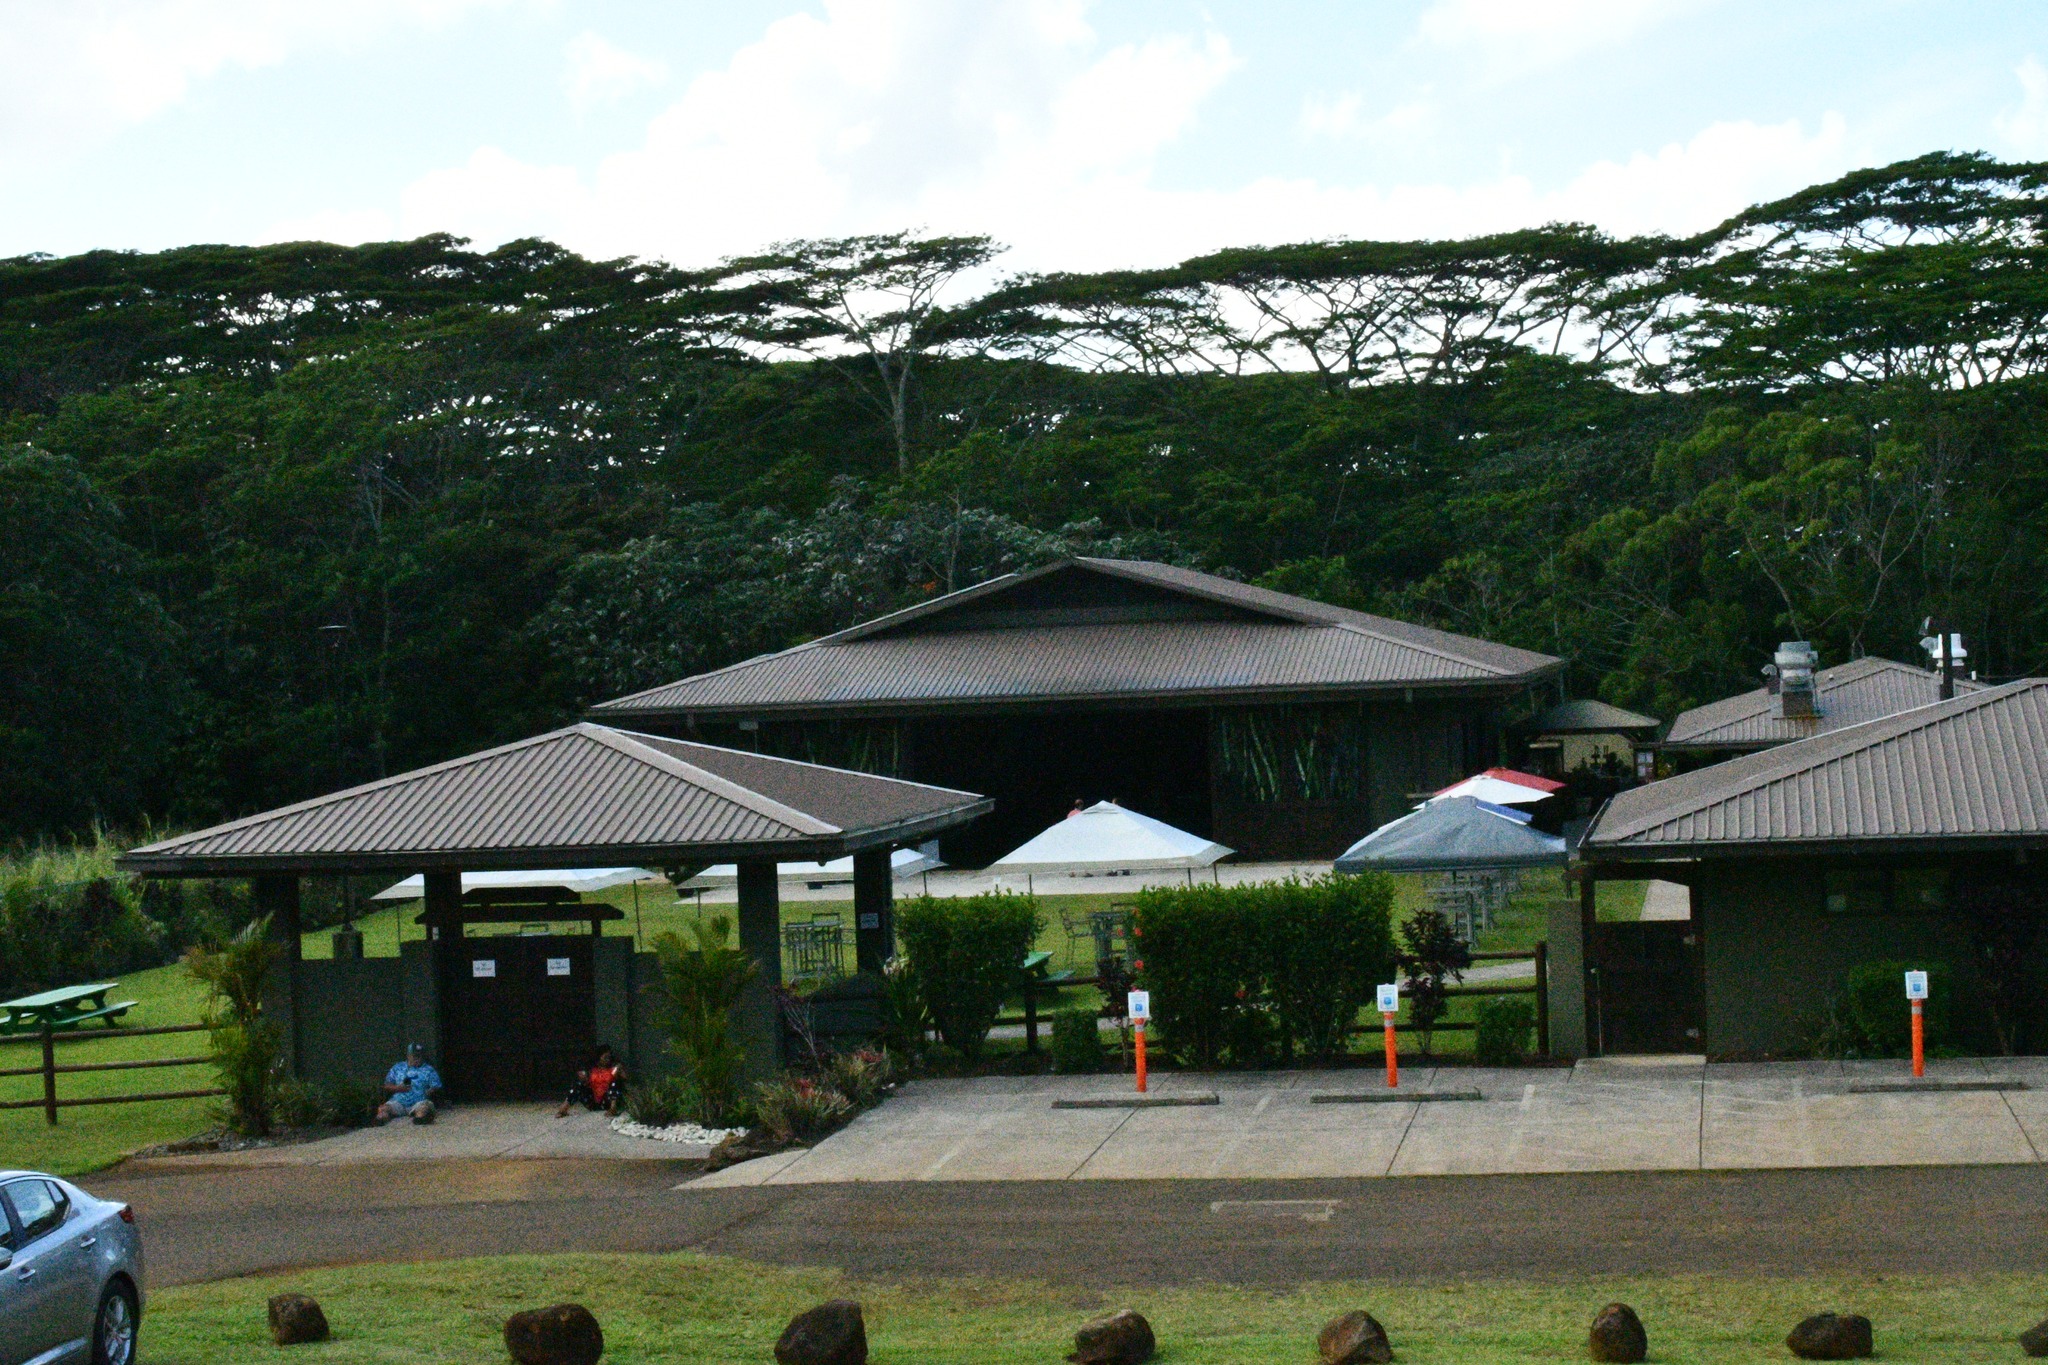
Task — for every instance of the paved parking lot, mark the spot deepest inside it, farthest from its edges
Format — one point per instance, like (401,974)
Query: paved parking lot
(1612,1115)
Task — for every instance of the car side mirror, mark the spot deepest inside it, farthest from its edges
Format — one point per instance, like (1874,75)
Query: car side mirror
(6,1258)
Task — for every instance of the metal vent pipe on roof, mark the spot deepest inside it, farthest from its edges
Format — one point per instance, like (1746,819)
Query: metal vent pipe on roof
(1795,661)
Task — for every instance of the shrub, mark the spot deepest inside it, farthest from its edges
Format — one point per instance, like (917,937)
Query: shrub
(1436,956)
(1076,1043)
(1235,969)
(799,1109)
(1876,1005)
(1502,1038)
(859,1075)
(663,1103)
(965,954)
(245,1045)
(904,1019)
(699,987)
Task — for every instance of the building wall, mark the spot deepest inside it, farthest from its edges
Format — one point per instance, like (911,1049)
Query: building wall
(1774,954)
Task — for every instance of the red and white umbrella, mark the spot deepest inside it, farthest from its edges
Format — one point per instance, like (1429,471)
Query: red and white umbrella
(1503,787)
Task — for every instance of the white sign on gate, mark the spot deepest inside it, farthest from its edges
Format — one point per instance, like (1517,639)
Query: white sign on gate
(483,966)
(558,966)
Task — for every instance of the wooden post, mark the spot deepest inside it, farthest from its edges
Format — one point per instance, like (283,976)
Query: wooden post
(760,932)
(874,915)
(49,1076)
(1543,999)
(1589,968)
(1030,1020)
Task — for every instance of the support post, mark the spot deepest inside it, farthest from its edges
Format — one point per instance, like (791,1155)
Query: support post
(442,898)
(1595,1016)
(1543,999)
(760,934)
(277,895)
(874,914)
(50,1073)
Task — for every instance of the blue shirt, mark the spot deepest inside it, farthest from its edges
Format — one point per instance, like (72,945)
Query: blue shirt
(417,1080)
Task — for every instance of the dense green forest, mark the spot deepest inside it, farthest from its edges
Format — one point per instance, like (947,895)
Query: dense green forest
(281,518)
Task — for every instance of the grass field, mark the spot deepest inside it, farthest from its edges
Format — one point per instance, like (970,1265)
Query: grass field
(696,1310)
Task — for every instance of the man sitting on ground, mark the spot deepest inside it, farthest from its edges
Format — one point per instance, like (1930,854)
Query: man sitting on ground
(601,1087)
(409,1088)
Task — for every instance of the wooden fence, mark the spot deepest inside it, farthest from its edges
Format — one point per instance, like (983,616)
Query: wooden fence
(1540,988)
(50,1071)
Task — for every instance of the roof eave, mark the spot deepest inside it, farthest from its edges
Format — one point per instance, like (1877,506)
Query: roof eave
(820,848)
(1775,848)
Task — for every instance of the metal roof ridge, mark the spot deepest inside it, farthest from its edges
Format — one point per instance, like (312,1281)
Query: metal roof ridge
(794,762)
(1785,760)
(734,667)
(767,807)
(1308,613)
(360,789)
(1356,629)
(1825,680)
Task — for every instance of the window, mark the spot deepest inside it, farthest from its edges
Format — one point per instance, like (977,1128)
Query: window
(39,1207)
(1855,891)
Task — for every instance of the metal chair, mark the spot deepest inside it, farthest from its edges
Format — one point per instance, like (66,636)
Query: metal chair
(814,950)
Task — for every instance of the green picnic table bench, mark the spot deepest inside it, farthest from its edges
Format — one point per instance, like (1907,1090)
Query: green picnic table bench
(65,1008)
(1038,979)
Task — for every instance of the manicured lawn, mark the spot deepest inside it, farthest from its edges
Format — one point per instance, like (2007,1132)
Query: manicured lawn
(87,1139)
(687,1308)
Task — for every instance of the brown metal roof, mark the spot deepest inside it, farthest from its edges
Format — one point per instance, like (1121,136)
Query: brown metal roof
(566,798)
(1203,638)
(1588,717)
(1970,770)
(1847,694)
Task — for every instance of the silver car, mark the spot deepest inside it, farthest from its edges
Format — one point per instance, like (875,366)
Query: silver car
(70,1274)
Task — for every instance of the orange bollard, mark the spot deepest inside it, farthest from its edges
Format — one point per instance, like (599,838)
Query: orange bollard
(1919,1039)
(1393,1054)
(1141,1056)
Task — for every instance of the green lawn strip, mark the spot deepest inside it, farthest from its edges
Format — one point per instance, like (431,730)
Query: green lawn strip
(90,1138)
(685,1308)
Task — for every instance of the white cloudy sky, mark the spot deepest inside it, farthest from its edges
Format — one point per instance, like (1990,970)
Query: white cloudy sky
(1126,132)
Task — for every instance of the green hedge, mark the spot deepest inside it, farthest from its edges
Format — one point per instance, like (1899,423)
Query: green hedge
(965,954)
(1249,974)
(1883,1017)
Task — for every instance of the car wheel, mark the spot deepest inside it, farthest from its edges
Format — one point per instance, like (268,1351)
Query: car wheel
(113,1327)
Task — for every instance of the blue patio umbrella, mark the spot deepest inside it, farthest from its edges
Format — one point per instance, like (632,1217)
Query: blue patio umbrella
(1454,834)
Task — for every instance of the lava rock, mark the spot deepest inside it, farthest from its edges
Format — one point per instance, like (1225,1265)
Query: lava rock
(1122,1338)
(1356,1338)
(565,1334)
(833,1333)
(296,1319)
(1831,1336)
(1618,1335)
(2034,1341)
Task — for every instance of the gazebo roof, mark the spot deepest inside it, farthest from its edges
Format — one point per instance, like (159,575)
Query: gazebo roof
(582,796)
(1454,834)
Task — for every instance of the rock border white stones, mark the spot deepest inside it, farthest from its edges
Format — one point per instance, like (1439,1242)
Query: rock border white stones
(693,1133)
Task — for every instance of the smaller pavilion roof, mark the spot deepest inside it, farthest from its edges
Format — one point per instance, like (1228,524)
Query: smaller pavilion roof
(1106,837)
(1587,716)
(1503,787)
(1970,772)
(578,797)
(1847,694)
(1455,834)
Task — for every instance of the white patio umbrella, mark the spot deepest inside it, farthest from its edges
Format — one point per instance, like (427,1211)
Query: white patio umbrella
(1107,838)
(904,862)
(578,880)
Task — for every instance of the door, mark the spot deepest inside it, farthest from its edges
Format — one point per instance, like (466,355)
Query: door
(1646,991)
(518,1015)
(46,1299)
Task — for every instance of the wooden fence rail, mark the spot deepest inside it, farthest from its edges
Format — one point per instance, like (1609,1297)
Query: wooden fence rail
(50,1071)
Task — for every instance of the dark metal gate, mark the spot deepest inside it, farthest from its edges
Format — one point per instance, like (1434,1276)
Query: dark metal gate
(1646,988)
(518,1015)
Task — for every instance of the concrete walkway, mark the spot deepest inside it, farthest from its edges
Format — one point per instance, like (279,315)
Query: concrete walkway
(464,1132)
(1610,1115)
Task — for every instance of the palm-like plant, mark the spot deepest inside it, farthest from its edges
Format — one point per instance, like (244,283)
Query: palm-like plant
(245,1045)
(700,984)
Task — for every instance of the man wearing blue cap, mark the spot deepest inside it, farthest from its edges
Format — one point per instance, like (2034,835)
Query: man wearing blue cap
(409,1088)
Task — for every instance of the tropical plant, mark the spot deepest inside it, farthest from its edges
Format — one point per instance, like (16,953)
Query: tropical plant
(1434,957)
(967,954)
(799,1108)
(1502,1035)
(245,1045)
(699,985)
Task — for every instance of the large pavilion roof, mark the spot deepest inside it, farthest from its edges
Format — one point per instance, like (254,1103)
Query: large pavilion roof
(1093,630)
(1971,772)
(1847,694)
(577,797)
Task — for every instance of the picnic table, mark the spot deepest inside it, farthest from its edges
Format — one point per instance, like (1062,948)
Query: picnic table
(64,1008)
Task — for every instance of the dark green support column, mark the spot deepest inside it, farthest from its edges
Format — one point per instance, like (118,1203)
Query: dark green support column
(760,932)
(874,913)
(277,896)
